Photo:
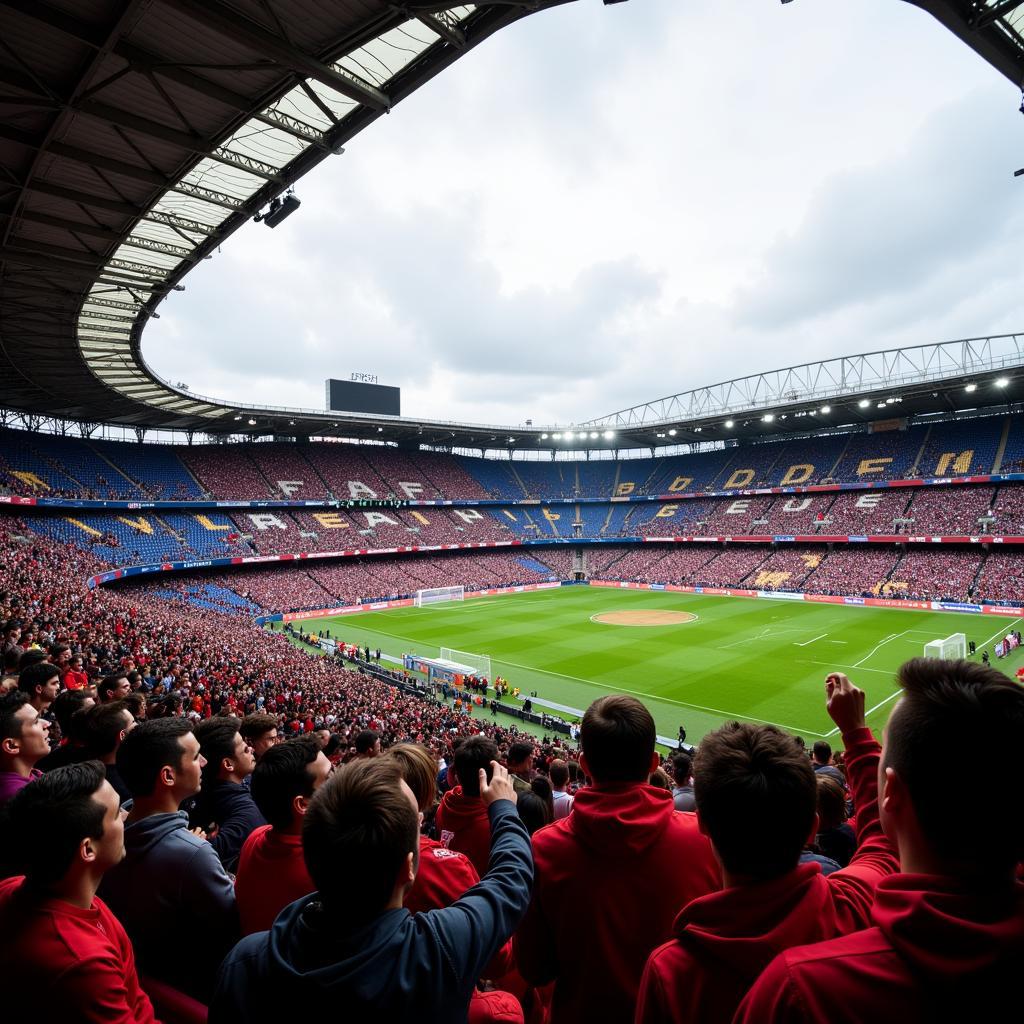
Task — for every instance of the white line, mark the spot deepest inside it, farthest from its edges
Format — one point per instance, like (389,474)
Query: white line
(839,641)
(1002,632)
(806,642)
(853,668)
(879,646)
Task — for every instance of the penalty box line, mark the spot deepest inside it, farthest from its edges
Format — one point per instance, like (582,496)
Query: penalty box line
(634,693)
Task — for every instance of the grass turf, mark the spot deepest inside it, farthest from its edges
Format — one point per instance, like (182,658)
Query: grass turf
(762,661)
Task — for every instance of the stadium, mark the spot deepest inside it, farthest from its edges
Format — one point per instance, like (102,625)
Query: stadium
(715,554)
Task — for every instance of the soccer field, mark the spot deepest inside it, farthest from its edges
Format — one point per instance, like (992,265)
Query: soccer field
(762,661)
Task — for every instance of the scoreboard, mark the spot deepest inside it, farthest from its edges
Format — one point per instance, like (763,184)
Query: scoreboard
(363,396)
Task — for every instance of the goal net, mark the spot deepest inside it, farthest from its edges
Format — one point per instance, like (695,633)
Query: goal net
(438,594)
(480,663)
(952,647)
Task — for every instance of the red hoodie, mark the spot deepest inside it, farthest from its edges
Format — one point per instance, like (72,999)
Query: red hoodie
(66,963)
(939,951)
(724,940)
(463,825)
(609,880)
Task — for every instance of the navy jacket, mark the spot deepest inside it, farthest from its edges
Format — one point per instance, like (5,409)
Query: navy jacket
(232,807)
(399,967)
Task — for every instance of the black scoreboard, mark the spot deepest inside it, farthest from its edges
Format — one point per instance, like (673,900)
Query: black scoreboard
(360,396)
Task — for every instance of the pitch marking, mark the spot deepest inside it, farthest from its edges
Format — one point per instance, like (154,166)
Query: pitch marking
(806,642)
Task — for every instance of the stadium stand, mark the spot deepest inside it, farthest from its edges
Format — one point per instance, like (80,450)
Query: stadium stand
(935,575)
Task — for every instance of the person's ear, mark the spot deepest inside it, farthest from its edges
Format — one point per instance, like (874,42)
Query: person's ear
(410,867)
(167,775)
(814,829)
(893,798)
(227,764)
(655,763)
(300,804)
(10,746)
(87,851)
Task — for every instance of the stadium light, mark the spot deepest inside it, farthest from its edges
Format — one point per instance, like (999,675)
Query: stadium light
(555,437)
(970,388)
(768,417)
(864,403)
(252,422)
(1002,382)
(279,209)
(238,417)
(543,437)
(826,409)
(729,424)
(593,435)
(609,434)
(672,432)
(697,430)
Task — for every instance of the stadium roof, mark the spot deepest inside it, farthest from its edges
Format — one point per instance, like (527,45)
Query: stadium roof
(136,135)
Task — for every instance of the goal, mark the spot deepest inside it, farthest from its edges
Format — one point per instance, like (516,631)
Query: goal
(954,646)
(480,663)
(438,594)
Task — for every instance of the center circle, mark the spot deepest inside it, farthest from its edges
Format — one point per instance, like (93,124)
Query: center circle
(643,617)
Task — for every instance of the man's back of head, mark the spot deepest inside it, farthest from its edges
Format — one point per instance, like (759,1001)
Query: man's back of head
(368,743)
(357,835)
(618,736)
(471,755)
(756,798)
(285,772)
(822,752)
(682,769)
(970,823)
(558,772)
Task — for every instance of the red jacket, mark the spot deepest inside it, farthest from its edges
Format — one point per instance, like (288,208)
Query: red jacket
(939,951)
(463,825)
(609,881)
(271,874)
(724,940)
(66,963)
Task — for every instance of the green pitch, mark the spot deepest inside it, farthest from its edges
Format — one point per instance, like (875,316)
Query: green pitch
(762,661)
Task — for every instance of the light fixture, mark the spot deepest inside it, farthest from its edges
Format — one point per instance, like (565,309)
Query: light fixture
(280,207)
(864,403)
(291,423)
(543,437)
(672,432)
(697,430)
(881,405)
(970,388)
(609,434)
(555,437)
(729,424)
(593,435)
(660,434)
(252,423)
(238,417)
(826,408)
(380,430)
(1002,382)
(768,417)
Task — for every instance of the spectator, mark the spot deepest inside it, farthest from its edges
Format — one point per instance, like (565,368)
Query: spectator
(462,821)
(682,791)
(353,944)
(612,875)
(75,677)
(948,932)
(171,891)
(259,730)
(558,772)
(103,729)
(23,744)
(224,808)
(41,681)
(114,687)
(836,838)
(71,747)
(821,762)
(61,948)
(757,799)
(368,744)
(520,766)
(534,811)
(271,871)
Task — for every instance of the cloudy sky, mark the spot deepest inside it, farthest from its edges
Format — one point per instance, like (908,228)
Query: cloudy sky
(604,205)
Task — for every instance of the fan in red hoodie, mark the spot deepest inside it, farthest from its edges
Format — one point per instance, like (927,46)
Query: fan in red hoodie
(462,821)
(68,952)
(610,877)
(948,935)
(756,797)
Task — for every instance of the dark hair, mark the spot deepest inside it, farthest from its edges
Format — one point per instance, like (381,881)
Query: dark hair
(108,684)
(281,775)
(65,705)
(617,736)
(49,818)
(366,740)
(252,727)
(533,810)
(519,752)
(31,657)
(959,705)
(419,769)
(756,796)
(559,774)
(35,675)
(216,741)
(102,726)
(149,747)
(682,769)
(10,704)
(831,803)
(135,702)
(356,834)
(542,787)
(472,754)
(822,752)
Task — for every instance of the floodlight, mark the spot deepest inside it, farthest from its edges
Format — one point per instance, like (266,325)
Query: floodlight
(970,388)
(729,424)
(543,437)
(768,417)
(609,434)
(279,208)
(1002,382)
(672,432)
(864,403)
(826,408)
(593,435)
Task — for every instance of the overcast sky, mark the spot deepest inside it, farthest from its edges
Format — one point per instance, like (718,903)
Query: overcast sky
(604,205)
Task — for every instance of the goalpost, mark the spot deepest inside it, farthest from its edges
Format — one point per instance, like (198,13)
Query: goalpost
(480,663)
(436,595)
(952,647)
